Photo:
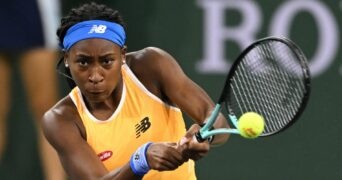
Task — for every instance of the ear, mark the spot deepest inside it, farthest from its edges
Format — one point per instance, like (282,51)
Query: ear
(123,54)
(65,56)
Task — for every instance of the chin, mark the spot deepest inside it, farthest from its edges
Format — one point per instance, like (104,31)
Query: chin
(97,97)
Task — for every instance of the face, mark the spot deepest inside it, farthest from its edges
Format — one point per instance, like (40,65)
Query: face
(95,65)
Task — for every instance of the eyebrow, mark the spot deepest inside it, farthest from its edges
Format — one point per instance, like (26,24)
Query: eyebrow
(101,56)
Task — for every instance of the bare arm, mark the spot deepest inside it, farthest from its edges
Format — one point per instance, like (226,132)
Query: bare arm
(81,162)
(77,157)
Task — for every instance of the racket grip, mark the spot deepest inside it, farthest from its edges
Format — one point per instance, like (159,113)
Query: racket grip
(199,137)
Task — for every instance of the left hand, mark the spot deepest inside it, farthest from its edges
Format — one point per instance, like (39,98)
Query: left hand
(164,157)
(190,147)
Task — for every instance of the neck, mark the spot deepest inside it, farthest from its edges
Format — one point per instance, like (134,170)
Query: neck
(104,109)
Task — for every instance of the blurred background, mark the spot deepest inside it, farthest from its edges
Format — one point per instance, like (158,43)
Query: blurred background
(205,36)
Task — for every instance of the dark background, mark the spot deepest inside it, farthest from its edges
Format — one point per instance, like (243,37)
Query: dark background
(308,150)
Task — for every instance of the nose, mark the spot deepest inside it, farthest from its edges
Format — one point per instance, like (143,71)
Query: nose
(96,76)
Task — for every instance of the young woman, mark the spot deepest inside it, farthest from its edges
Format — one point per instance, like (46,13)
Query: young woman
(122,119)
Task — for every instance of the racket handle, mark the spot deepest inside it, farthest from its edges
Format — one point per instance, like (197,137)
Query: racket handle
(199,137)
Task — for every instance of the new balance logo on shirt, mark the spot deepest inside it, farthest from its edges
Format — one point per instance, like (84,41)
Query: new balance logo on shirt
(98,29)
(142,126)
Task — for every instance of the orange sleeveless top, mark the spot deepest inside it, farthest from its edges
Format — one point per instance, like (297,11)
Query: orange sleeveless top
(139,118)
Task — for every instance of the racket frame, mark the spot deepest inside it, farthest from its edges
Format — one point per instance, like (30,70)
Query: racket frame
(205,131)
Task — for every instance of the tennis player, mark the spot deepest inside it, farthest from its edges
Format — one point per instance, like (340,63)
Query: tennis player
(123,116)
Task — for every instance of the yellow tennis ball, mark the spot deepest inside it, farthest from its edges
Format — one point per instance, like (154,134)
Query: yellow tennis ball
(251,125)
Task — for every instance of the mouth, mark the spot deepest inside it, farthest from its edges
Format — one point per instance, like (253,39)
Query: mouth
(95,92)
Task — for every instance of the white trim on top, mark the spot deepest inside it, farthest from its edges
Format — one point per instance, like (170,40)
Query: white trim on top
(92,117)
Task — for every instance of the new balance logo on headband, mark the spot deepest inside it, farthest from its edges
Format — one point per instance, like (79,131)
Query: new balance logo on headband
(98,29)
(94,29)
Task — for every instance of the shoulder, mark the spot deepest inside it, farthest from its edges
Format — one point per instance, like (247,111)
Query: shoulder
(147,52)
(149,57)
(151,62)
(61,117)
(63,108)
(156,69)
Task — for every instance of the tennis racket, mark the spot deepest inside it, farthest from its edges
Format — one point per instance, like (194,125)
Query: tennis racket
(270,77)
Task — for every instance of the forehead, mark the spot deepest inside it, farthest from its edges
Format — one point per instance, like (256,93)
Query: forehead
(95,45)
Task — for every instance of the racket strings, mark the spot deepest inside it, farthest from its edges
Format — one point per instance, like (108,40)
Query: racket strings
(294,79)
(268,80)
(280,90)
(265,87)
(259,84)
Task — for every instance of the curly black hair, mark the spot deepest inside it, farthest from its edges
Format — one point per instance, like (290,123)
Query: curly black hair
(88,11)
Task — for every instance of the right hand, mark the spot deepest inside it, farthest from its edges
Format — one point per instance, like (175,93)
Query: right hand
(164,156)
(190,147)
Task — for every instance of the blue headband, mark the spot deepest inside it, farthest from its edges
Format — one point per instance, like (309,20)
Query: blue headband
(94,29)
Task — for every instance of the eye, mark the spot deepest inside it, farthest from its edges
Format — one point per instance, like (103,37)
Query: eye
(82,61)
(107,61)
